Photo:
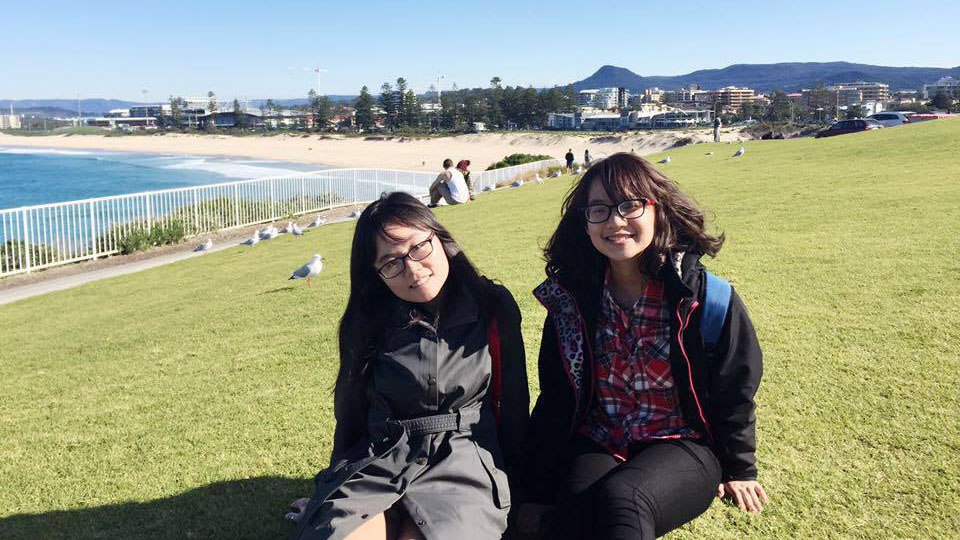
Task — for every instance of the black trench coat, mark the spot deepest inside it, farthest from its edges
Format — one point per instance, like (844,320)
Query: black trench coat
(453,484)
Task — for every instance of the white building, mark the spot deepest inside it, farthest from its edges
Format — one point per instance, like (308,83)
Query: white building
(9,121)
(947,84)
(604,98)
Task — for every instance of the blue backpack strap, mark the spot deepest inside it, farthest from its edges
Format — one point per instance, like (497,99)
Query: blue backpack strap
(715,305)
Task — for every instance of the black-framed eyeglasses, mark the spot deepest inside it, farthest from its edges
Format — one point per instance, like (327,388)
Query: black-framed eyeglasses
(628,209)
(419,252)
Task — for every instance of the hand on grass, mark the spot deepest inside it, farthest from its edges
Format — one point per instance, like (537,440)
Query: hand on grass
(298,506)
(748,494)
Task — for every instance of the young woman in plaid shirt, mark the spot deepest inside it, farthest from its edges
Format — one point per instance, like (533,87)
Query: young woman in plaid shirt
(639,424)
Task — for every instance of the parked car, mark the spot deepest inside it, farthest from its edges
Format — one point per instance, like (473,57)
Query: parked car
(849,126)
(891,118)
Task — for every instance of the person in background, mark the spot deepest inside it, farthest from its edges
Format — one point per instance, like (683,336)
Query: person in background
(569,158)
(449,186)
(717,123)
(586,158)
(462,166)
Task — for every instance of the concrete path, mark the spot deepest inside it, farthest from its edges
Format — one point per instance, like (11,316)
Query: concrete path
(58,284)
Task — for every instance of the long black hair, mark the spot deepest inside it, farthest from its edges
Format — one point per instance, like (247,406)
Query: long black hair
(678,225)
(368,312)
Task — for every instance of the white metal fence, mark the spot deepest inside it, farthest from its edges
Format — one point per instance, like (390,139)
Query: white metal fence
(46,235)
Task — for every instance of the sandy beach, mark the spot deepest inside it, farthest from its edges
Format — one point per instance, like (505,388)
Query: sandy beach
(404,153)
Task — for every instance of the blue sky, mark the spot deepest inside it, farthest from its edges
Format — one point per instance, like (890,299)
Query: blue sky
(115,49)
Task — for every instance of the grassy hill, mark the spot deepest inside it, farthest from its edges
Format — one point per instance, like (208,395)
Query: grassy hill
(194,400)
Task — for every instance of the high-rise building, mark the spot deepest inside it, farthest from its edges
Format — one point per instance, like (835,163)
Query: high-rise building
(870,91)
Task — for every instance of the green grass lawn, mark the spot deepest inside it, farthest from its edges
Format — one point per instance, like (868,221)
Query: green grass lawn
(194,400)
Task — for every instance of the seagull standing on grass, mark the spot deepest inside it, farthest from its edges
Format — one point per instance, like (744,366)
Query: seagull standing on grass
(252,241)
(317,221)
(556,174)
(269,233)
(538,179)
(665,160)
(355,214)
(579,169)
(518,183)
(309,270)
(296,230)
(206,246)
(740,152)
(288,228)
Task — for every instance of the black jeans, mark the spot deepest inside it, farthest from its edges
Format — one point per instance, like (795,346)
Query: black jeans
(662,485)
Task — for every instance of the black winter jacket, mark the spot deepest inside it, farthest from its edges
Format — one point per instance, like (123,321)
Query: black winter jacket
(716,388)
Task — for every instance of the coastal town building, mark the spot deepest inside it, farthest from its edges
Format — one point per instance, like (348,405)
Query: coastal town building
(9,121)
(870,91)
(947,84)
(734,96)
(604,98)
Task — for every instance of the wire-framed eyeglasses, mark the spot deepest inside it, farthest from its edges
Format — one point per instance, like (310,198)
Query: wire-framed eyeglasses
(420,251)
(628,209)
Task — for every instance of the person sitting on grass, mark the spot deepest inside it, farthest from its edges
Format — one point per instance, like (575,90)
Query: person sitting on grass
(449,186)
(646,410)
(431,400)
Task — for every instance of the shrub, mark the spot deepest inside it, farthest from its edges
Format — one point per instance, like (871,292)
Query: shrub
(517,159)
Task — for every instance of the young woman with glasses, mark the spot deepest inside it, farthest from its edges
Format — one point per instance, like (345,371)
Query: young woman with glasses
(431,400)
(639,424)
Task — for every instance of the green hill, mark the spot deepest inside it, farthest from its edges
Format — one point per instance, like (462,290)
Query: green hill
(194,400)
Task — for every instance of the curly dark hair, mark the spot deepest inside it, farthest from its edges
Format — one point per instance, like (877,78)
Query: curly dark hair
(678,224)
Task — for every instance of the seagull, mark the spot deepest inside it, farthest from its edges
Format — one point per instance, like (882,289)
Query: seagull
(269,233)
(206,246)
(579,169)
(487,188)
(252,241)
(740,152)
(288,228)
(317,221)
(709,154)
(309,270)
(556,174)
(665,160)
(538,179)
(354,214)
(296,230)
(518,183)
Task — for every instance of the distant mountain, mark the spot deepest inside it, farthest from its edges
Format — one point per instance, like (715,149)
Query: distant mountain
(790,77)
(87,106)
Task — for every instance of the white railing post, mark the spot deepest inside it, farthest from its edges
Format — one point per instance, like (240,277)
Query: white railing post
(26,241)
(93,231)
(236,205)
(149,212)
(196,213)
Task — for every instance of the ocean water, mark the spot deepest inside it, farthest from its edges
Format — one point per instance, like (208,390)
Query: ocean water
(31,176)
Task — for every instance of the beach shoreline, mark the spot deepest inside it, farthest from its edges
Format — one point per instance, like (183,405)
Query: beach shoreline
(396,152)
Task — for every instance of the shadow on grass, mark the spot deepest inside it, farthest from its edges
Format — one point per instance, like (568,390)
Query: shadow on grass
(238,509)
(278,290)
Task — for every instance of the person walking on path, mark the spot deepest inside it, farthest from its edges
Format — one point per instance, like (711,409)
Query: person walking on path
(431,400)
(449,186)
(569,158)
(716,128)
(463,167)
(648,366)
(586,158)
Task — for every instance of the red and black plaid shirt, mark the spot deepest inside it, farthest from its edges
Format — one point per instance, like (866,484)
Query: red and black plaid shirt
(636,399)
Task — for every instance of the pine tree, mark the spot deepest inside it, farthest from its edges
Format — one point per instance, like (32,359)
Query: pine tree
(388,101)
(364,108)
(211,109)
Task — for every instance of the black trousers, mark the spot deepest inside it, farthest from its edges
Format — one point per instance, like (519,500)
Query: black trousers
(662,485)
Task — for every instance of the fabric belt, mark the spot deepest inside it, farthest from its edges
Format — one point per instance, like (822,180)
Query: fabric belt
(462,421)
